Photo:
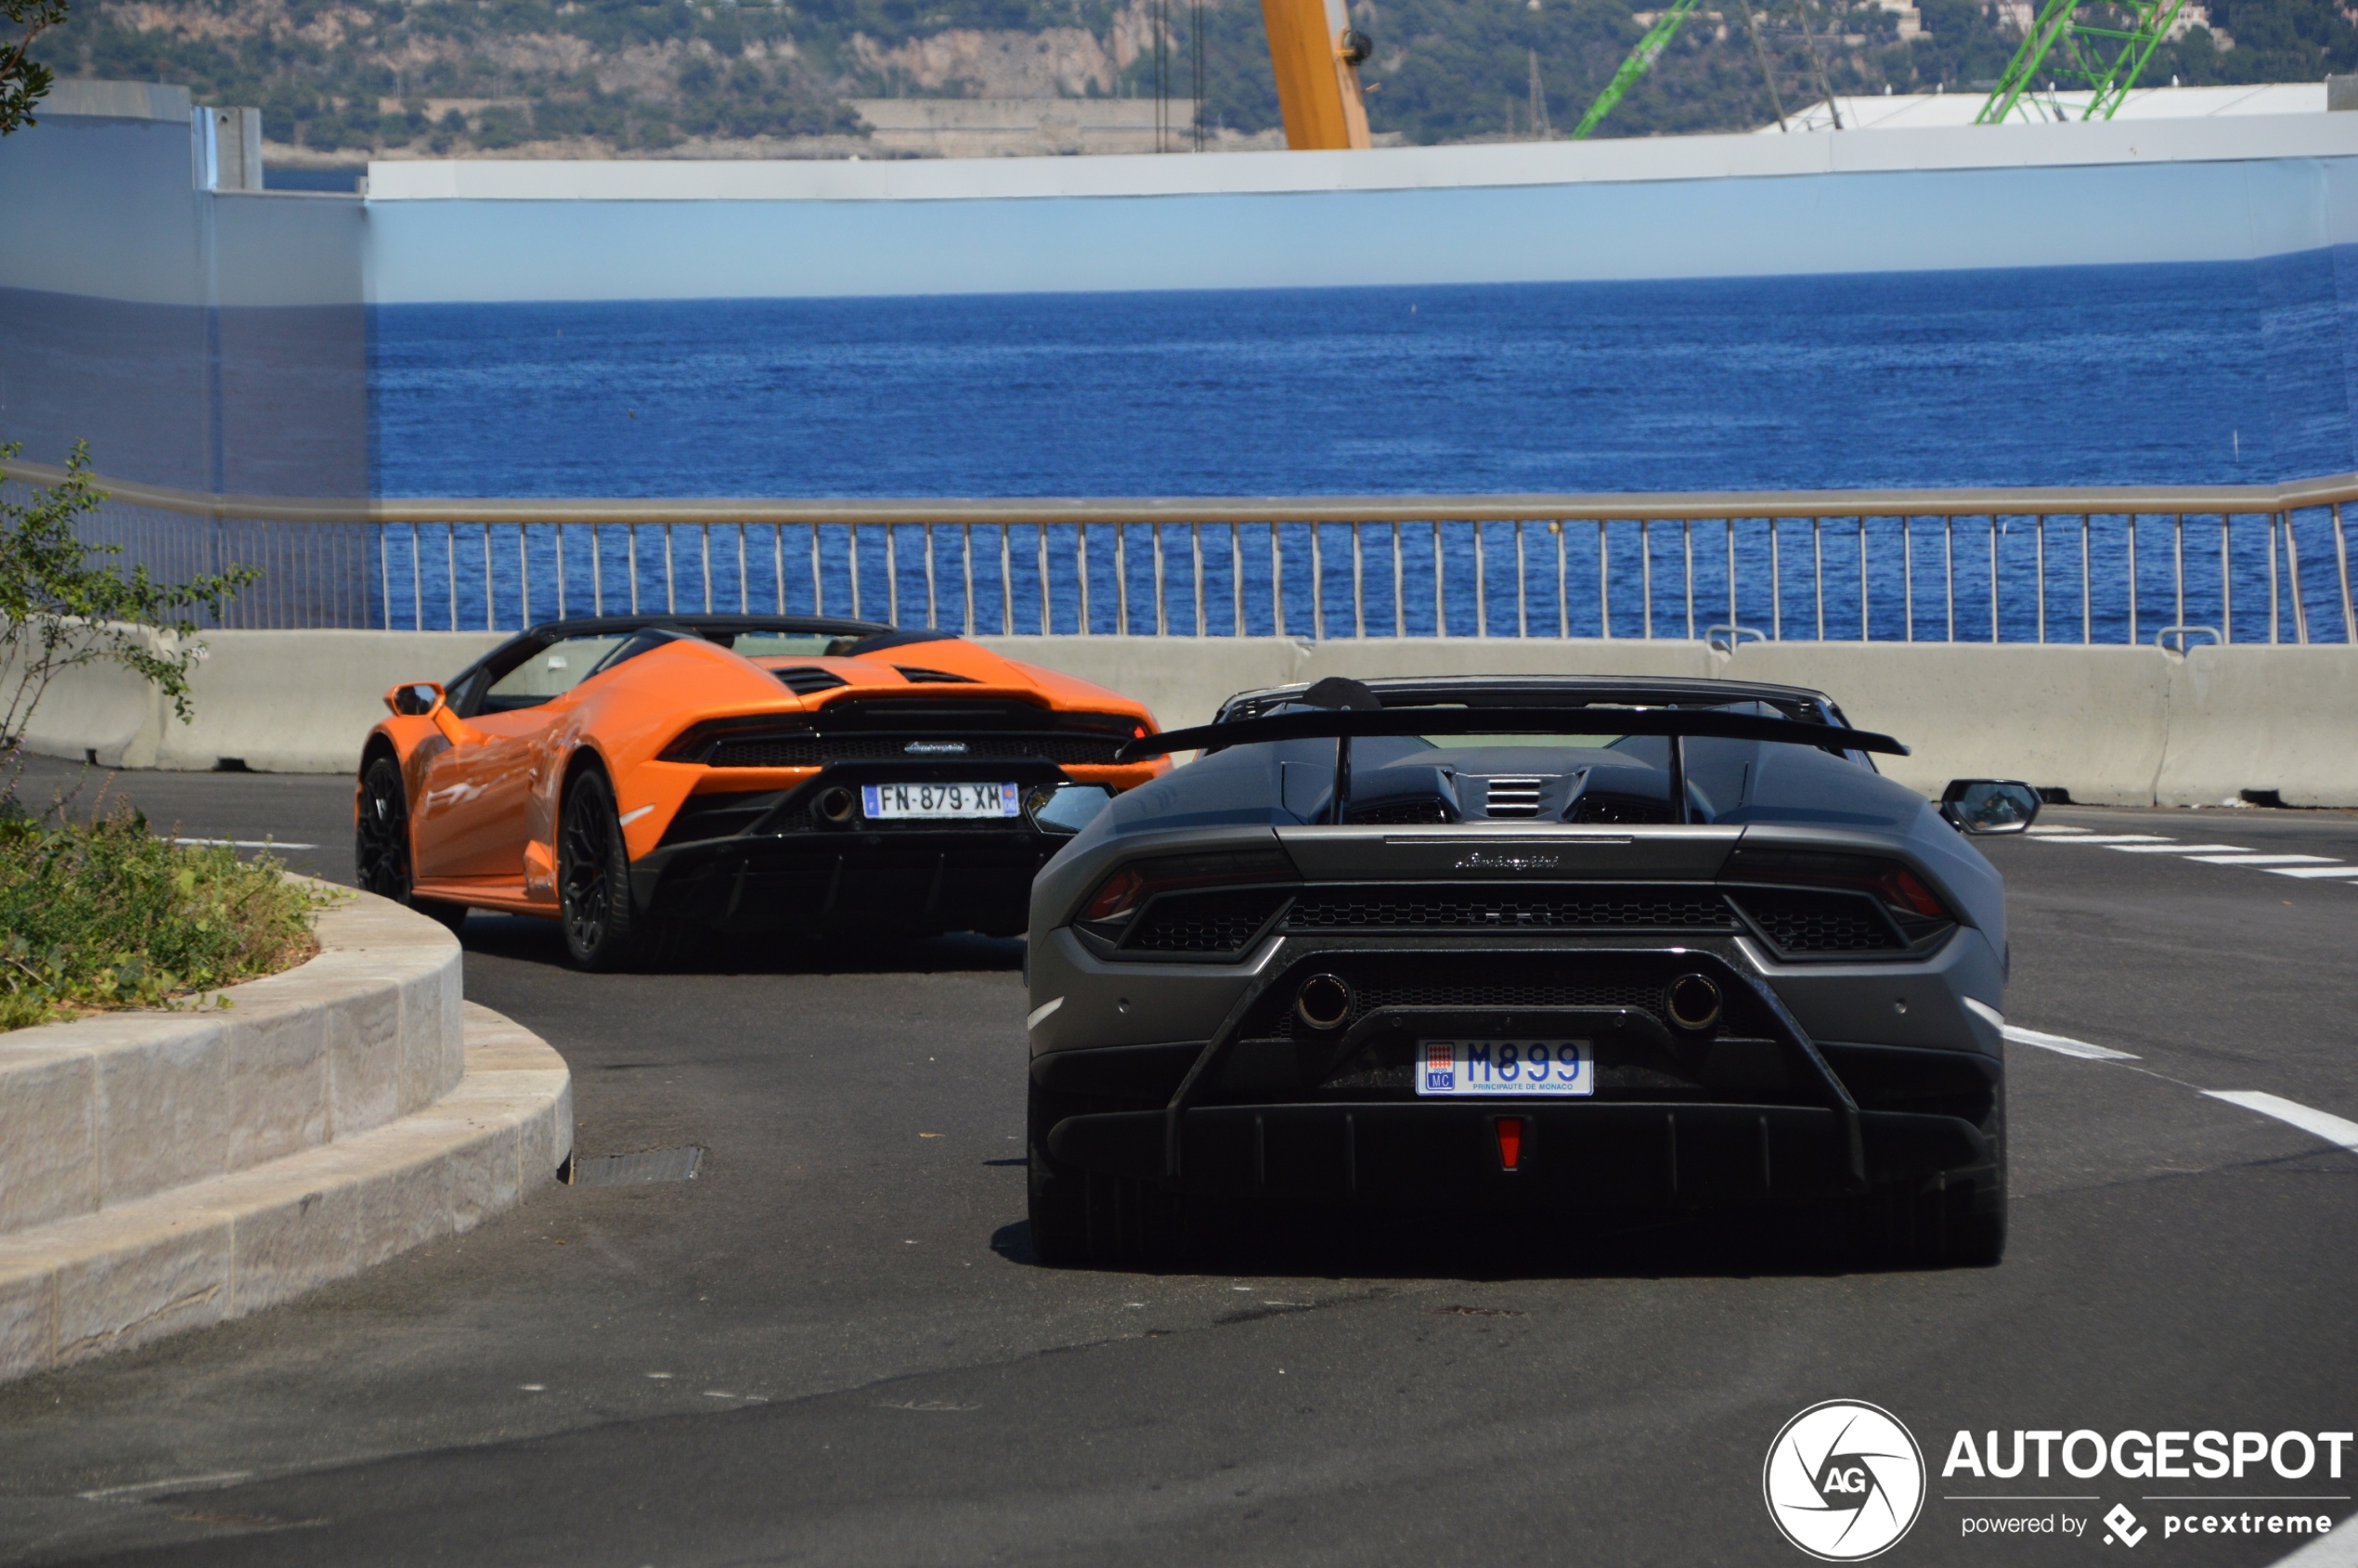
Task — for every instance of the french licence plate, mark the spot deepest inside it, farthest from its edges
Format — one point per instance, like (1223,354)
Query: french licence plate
(1506,1067)
(885,801)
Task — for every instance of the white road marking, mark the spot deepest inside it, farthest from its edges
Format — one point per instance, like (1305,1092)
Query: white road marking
(2052,832)
(2116,838)
(2063,1044)
(2339,1549)
(2319,1123)
(2262,860)
(2313,870)
(2176,849)
(178,1484)
(247,843)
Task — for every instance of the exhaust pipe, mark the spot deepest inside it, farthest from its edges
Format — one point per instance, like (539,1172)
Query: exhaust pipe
(1324,1001)
(1693,1002)
(837,804)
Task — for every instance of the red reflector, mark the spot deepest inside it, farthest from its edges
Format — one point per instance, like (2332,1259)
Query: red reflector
(1509,1142)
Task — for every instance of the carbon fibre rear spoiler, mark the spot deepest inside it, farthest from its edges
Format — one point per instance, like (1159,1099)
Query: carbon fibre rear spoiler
(1337,723)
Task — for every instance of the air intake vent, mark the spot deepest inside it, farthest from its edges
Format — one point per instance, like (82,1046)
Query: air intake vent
(918,676)
(1220,922)
(803,679)
(1512,798)
(1820,922)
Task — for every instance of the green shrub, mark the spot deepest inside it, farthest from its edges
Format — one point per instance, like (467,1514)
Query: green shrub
(107,915)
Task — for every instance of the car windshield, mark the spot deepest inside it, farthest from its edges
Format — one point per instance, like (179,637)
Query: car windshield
(782,644)
(550,672)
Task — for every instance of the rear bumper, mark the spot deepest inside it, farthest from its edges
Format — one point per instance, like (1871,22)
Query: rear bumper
(962,879)
(1621,1155)
(768,861)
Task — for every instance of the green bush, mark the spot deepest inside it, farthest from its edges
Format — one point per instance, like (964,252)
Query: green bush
(107,915)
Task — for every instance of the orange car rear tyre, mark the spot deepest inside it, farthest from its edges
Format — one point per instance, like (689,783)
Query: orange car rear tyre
(380,843)
(604,930)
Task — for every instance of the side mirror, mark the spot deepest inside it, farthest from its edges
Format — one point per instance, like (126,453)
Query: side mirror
(1070,808)
(1979,806)
(415,699)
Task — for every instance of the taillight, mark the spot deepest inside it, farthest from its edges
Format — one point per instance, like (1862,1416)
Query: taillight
(1899,887)
(1911,902)
(1119,897)
(1127,889)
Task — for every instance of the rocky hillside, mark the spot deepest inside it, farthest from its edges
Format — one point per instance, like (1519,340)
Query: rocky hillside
(341,79)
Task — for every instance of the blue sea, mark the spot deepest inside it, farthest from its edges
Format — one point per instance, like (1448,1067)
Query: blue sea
(2214,373)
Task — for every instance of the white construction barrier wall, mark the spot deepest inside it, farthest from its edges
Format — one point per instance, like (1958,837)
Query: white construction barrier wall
(2114,726)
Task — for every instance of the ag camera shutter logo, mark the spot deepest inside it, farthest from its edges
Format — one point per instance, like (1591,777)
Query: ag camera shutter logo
(1844,1480)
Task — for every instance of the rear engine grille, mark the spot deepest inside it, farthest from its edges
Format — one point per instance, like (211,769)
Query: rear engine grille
(1512,798)
(1523,907)
(1619,810)
(918,676)
(1396,813)
(1221,921)
(803,679)
(811,751)
(1808,921)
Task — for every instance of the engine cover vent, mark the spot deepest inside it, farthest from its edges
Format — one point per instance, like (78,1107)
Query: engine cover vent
(1515,797)
(803,679)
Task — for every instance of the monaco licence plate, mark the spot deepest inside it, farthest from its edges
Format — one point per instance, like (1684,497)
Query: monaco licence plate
(887,801)
(1506,1067)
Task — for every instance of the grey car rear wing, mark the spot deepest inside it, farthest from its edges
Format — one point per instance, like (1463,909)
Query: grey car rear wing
(1346,723)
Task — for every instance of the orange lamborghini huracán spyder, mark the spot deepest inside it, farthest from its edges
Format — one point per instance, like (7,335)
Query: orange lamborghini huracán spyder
(624,774)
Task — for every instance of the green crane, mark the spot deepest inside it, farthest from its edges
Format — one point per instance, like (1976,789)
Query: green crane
(1641,59)
(2101,48)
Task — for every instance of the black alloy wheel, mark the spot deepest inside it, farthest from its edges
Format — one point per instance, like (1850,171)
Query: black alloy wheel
(603,931)
(380,843)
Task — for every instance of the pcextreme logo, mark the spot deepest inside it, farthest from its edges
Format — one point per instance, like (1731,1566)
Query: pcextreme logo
(1843,1481)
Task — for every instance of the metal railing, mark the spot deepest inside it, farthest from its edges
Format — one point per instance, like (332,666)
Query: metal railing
(2090,566)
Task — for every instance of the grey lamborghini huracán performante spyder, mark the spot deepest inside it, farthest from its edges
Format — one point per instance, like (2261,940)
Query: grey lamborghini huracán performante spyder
(1600,950)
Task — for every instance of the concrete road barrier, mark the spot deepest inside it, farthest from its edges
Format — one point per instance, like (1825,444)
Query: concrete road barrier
(276,702)
(163,1171)
(2114,726)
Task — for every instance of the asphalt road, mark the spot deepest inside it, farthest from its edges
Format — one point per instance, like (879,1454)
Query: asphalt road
(831,1347)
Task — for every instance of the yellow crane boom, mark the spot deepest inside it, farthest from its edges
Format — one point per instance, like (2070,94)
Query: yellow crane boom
(1318,54)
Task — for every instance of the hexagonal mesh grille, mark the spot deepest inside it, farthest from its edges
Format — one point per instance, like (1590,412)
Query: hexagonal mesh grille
(1446,907)
(1801,922)
(1222,921)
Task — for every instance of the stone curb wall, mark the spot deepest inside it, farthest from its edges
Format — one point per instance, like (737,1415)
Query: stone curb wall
(119,1105)
(177,1170)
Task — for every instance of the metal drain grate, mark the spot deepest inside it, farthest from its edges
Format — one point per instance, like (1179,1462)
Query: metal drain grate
(628,1170)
